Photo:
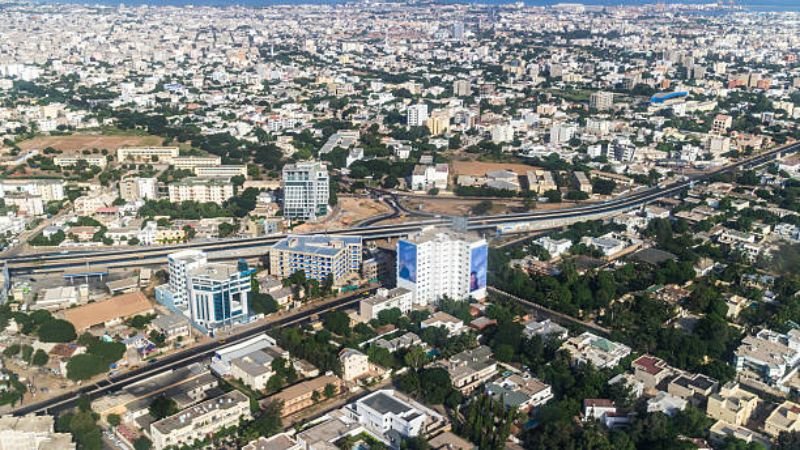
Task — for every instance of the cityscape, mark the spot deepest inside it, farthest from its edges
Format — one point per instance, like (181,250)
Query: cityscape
(406,225)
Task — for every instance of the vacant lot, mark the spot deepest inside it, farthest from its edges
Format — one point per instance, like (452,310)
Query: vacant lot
(350,211)
(78,142)
(478,168)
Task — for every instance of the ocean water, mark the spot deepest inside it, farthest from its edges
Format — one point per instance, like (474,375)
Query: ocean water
(751,5)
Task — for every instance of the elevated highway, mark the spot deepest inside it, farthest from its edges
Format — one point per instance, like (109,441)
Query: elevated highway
(227,248)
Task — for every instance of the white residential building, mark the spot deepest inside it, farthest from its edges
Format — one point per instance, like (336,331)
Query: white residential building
(164,155)
(386,299)
(32,433)
(197,422)
(435,263)
(354,364)
(416,115)
(600,352)
(306,190)
(200,190)
(390,417)
(138,188)
(49,189)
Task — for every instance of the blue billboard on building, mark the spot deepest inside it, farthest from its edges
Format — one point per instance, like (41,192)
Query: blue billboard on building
(478,260)
(407,261)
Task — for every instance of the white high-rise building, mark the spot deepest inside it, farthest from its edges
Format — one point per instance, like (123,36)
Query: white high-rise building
(179,266)
(561,133)
(417,115)
(436,262)
(306,190)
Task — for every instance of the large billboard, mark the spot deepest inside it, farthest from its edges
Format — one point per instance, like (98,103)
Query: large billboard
(407,261)
(478,259)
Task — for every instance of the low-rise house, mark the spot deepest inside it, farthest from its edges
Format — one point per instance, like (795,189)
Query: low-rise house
(722,430)
(769,355)
(523,393)
(470,368)
(386,299)
(546,329)
(555,247)
(399,343)
(300,396)
(732,404)
(695,388)
(281,441)
(650,370)
(784,419)
(392,417)
(600,352)
(665,403)
(442,319)
(354,364)
(597,408)
(174,326)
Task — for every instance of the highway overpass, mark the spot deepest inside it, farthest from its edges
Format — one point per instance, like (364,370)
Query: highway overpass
(227,248)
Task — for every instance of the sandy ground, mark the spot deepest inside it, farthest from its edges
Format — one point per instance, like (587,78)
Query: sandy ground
(79,142)
(478,168)
(348,212)
(459,207)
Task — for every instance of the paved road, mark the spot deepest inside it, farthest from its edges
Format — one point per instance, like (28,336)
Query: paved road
(190,356)
(57,261)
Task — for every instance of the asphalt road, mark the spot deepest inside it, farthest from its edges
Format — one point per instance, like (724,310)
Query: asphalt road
(187,357)
(31,264)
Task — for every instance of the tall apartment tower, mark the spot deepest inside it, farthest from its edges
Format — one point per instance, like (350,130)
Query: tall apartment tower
(601,101)
(462,88)
(436,263)
(417,115)
(306,190)
(179,265)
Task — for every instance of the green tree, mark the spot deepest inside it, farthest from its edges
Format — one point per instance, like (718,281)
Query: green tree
(142,443)
(162,406)
(114,420)
(40,358)
(57,330)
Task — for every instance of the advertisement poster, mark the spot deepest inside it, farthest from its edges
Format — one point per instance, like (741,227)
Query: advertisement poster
(407,261)
(477,268)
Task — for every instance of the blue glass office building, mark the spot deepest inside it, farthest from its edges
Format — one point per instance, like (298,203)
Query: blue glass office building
(218,294)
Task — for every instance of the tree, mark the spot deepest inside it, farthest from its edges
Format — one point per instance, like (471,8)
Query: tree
(85,366)
(266,424)
(57,330)
(487,422)
(553,196)
(603,187)
(416,357)
(142,443)
(482,207)
(40,358)
(163,406)
(329,391)
(114,420)
(337,322)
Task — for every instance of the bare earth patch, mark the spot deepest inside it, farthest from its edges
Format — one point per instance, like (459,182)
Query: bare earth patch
(479,168)
(77,142)
(348,212)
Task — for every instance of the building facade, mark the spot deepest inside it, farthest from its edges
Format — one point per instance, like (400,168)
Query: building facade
(436,263)
(218,294)
(319,256)
(306,190)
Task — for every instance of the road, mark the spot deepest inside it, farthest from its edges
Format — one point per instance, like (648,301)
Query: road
(190,356)
(120,258)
